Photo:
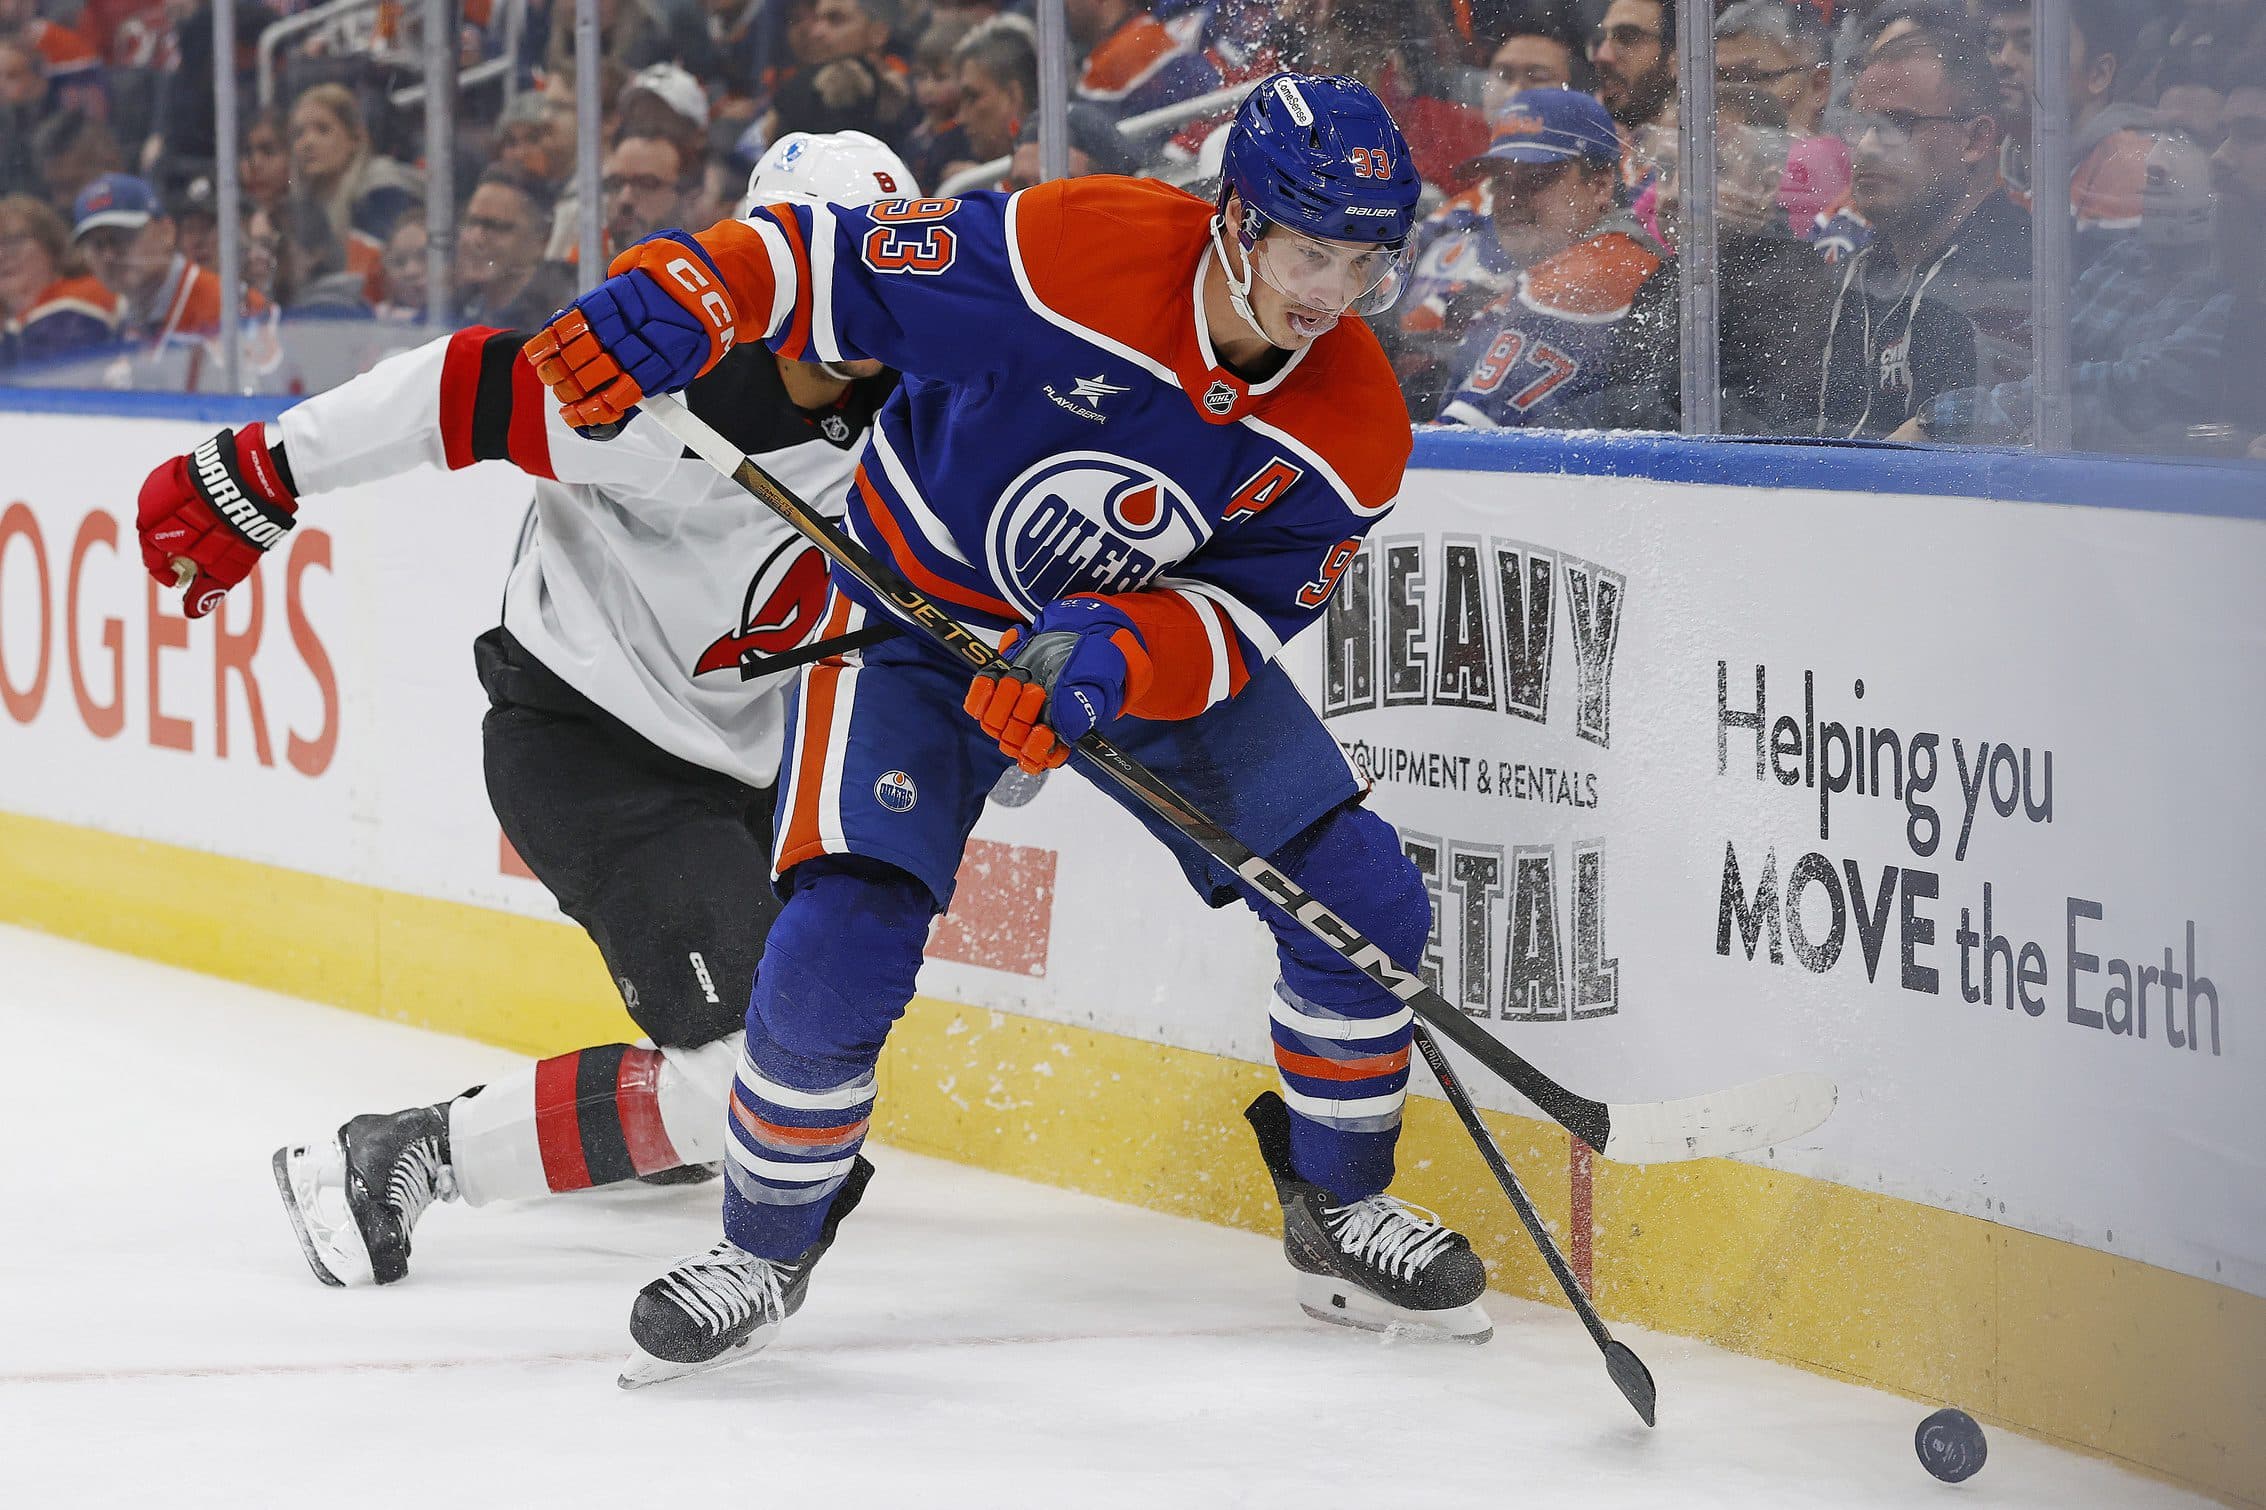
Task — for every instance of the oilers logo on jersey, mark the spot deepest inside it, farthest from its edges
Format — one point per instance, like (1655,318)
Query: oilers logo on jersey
(1088,521)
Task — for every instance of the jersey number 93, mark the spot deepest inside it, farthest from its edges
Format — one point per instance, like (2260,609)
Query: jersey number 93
(906,237)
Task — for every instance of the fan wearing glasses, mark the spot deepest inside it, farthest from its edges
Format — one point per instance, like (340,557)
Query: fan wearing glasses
(1541,353)
(1939,297)
(1633,50)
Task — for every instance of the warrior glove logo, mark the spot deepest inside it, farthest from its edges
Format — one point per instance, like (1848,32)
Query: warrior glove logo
(1087,521)
(227,498)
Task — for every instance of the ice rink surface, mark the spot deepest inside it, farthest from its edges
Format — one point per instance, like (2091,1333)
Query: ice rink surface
(972,1340)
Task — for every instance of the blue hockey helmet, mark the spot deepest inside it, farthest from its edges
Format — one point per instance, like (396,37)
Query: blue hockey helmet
(1321,157)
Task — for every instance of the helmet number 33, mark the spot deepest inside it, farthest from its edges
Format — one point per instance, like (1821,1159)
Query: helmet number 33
(906,237)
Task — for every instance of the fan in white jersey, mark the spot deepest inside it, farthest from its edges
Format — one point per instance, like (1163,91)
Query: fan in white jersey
(650,622)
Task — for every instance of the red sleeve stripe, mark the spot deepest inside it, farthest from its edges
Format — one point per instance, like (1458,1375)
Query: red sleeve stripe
(527,442)
(460,387)
(927,581)
(796,344)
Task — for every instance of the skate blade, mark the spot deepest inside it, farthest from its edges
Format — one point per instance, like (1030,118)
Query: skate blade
(1341,1304)
(643,1369)
(330,1241)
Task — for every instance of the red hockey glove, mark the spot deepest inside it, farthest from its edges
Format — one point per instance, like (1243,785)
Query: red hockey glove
(219,508)
(660,321)
(1082,661)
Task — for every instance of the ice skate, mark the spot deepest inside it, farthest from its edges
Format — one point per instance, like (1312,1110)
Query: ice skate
(355,1199)
(724,1306)
(1379,1264)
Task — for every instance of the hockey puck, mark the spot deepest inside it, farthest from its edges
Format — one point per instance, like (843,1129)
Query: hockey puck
(1950,1445)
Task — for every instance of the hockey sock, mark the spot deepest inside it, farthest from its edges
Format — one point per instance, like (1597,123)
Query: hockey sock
(837,971)
(595,1116)
(1342,1041)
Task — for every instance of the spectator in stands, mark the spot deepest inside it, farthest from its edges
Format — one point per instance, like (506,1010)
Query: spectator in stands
(1783,48)
(23,73)
(196,221)
(1131,63)
(647,186)
(121,231)
(71,149)
(1541,354)
(402,299)
(501,277)
(316,278)
(634,33)
(937,138)
(1939,297)
(1094,147)
(263,164)
(840,29)
(2239,173)
(2109,142)
(48,310)
(999,85)
(847,94)
(535,138)
(359,190)
(180,144)
(1771,293)
(1633,50)
(22,91)
(2147,331)
(67,56)
(1404,51)
(2192,101)
(1537,53)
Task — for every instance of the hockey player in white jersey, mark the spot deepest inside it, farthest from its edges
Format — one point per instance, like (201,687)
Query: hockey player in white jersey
(650,623)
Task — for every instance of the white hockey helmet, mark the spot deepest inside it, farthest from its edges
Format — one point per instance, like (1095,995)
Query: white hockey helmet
(839,167)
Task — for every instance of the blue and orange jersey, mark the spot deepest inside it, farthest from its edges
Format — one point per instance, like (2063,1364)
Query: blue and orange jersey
(1459,265)
(1539,352)
(1064,426)
(1142,66)
(71,314)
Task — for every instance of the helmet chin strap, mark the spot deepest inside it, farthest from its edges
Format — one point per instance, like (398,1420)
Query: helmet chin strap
(1238,290)
(837,371)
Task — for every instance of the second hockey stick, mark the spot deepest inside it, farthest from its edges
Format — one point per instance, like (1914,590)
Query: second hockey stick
(1737,1120)
(1628,1372)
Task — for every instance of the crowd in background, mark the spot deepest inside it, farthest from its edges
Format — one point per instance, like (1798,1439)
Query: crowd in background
(1873,191)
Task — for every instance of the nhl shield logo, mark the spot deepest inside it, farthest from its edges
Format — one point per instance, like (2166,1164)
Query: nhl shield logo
(835,428)
(1219,398)
(896,792)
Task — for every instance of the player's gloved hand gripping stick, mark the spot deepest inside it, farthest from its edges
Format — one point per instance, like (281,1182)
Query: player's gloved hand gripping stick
(1744,1117)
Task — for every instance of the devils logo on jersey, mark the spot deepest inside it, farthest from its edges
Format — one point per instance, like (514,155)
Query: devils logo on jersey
(1087,521)
(785,600)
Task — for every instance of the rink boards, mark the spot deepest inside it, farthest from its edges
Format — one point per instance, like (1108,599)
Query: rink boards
(1608,689)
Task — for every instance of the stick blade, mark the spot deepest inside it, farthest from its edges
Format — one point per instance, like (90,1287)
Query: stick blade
(1738,1120)
(1632,1378)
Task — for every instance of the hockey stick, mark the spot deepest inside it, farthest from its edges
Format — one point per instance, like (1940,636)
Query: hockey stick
(1737,1120)
(1628,1372)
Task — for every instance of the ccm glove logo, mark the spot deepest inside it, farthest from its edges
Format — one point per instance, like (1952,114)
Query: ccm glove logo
(713,305)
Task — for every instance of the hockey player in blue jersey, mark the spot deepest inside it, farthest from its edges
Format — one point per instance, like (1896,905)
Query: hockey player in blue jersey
(1139,438)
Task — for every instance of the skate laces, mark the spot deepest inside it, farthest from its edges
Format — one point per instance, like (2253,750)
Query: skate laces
(724,1286)
(419,1177)
(1389,1233)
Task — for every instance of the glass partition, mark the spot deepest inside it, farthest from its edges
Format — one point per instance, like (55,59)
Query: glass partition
(1805,218)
